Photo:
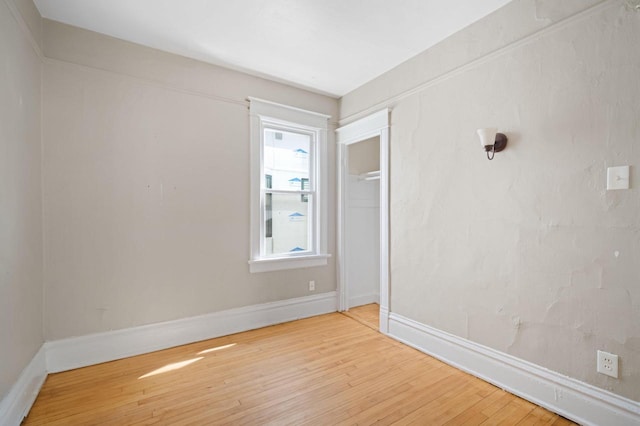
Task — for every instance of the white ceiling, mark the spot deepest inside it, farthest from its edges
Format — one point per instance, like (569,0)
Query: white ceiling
(330,46)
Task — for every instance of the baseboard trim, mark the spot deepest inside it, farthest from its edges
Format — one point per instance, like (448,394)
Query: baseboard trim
(384,320)
(575,400)
(76,352)
(364,300)
(17,403)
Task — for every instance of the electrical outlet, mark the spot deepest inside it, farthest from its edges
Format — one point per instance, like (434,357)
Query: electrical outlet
(607,364)
(312,286)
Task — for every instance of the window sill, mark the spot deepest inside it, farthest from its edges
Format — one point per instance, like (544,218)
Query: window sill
(292,262)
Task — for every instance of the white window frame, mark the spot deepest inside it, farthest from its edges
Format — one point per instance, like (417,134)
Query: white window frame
(265,114)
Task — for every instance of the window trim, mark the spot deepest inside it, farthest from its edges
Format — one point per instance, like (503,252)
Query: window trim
(268,113)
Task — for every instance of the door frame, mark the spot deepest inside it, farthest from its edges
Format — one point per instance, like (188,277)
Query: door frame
(376,124)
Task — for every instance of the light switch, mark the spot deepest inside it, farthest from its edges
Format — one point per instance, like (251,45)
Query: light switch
(618,177)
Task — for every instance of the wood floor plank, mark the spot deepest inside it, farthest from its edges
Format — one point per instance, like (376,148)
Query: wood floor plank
(512,413)
(330,369)
(539,416)
(368,315)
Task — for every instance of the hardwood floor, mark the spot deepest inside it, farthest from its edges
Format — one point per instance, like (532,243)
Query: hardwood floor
(326,370)
(367,315)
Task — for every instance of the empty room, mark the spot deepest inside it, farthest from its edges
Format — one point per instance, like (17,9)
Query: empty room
(319,212)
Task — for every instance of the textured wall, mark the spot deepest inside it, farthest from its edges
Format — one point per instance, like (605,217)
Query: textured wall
(146,193)
(527,254)
(510,24)
(20,197)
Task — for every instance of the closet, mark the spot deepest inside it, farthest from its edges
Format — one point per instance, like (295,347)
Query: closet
(362,223)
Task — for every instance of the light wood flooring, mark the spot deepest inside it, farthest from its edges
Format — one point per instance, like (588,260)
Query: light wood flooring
(368,315)
(326,370)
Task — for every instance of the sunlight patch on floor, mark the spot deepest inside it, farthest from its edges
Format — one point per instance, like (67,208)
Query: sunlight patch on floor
(171,367)
(206,351)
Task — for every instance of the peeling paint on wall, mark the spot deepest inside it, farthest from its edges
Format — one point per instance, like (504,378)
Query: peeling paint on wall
(527,254)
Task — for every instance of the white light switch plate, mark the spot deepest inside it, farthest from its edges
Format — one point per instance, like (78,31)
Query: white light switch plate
(618,177)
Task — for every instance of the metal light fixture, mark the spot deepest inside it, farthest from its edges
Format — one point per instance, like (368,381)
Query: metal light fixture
(492,141)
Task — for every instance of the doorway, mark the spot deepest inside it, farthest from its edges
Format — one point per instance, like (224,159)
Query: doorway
(363,219)
(362,223)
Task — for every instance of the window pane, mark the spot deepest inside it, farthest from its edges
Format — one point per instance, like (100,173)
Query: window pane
(305,187)
(289,225)
(286,159)
(268,230)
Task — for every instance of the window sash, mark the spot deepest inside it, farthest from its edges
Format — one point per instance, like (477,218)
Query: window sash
(311,230)
(310,193)
(279,125)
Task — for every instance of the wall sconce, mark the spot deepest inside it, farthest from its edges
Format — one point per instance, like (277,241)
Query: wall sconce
(634,5)
(492,141)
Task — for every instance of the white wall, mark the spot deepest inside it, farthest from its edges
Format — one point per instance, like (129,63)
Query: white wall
(362,227)
(146,175)
(20,194)
(527,254)
(518,254)
(362,238)
(364,156)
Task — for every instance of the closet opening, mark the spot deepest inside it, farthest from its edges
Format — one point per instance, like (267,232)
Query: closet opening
(363,219)
(362,223)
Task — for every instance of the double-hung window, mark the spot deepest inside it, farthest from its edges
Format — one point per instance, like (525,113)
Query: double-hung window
(288,187)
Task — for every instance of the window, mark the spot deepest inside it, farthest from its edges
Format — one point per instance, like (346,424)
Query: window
(268,222)
(305,186)
(288,185)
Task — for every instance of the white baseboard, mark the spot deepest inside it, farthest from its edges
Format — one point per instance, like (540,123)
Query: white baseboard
(571,398)
(575,400)
(76,352)
(17,403)
(364,300)
(384,320)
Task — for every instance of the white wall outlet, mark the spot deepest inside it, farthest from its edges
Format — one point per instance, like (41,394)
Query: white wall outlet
(618,177)
(312,286)
(607,364)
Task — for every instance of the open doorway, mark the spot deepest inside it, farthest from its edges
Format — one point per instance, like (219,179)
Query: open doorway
(362,223)
(363,228)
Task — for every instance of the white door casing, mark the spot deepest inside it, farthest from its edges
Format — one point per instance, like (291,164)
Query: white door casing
(374,125)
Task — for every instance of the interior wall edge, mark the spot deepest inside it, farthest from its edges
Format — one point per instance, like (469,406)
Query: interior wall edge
(22,280)
(393,99)
(17,403)
(571,398)
(76,352)
(147,81)
(167,69)
(24,28)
